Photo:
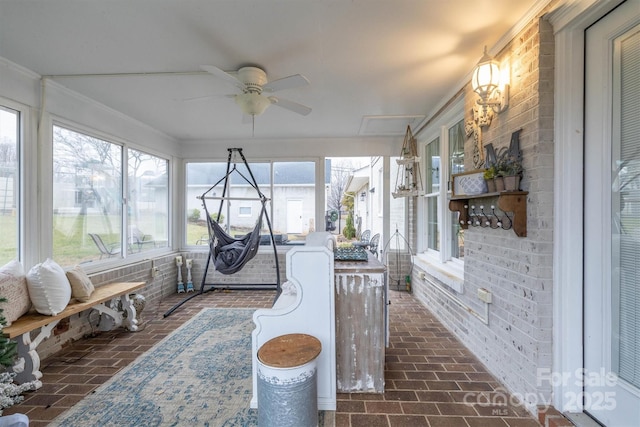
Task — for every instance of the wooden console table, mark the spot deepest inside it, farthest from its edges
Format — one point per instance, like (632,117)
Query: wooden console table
(361,325)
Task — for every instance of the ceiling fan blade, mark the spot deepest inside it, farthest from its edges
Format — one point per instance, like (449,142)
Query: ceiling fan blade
(197,98)
(290,105)
(202,98)
(223,75)
(297,80)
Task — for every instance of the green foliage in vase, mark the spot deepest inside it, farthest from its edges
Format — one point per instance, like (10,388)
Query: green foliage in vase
(490,172)
(507,164)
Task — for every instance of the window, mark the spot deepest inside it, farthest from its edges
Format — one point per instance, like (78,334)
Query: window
(9,184)
(432,193)
(289,186)
(148,202)
(88,203)
(87,197)
(294,199)
(442,237)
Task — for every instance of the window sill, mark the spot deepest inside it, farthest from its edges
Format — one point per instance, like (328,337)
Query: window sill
(449,274)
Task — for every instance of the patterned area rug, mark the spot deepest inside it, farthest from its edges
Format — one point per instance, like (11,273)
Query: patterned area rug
(199,375)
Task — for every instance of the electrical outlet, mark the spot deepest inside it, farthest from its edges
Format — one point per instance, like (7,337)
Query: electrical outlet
(484,295)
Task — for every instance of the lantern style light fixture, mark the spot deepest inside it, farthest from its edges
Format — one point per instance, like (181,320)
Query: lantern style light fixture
(486,82)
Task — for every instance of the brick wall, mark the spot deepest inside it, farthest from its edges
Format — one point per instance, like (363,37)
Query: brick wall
(261,269)
(517,271)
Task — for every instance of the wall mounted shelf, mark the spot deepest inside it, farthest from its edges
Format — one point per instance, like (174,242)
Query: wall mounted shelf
(508,201)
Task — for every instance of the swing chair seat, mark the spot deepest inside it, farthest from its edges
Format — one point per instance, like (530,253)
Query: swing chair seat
(230,254)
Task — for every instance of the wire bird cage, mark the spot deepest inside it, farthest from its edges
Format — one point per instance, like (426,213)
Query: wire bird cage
(398,260)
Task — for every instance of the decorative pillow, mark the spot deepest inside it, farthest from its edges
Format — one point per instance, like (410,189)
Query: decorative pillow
(49,288)
(81,286)
(13,287)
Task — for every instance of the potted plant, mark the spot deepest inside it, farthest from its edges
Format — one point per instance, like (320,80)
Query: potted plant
(489,177)
(510,168)
(10,393)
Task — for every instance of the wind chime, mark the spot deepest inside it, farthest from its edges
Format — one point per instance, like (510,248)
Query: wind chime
(408,179)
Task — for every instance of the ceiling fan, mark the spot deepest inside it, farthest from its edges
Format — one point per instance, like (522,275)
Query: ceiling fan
(252,82)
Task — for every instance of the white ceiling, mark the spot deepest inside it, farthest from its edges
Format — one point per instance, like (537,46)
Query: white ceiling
(374,66)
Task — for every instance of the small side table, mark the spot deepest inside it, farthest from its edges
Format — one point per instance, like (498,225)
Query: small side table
(287,381)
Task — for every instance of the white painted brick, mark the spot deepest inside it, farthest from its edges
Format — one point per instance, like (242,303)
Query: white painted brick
(517,271)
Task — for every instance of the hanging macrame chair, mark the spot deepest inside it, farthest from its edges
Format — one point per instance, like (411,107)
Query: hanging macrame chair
(230,254)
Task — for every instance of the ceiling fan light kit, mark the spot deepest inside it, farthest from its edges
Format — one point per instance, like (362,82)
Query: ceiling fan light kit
(252,103)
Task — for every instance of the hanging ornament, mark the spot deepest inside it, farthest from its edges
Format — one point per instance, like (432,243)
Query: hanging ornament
(408,179)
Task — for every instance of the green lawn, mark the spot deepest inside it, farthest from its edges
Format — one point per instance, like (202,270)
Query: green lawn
(8,240)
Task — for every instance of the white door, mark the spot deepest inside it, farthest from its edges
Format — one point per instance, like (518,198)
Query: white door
(612,219)
(294,216)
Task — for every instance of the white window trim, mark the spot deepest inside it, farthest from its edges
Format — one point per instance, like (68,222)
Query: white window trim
(27,183)
(449,271)
(569,25)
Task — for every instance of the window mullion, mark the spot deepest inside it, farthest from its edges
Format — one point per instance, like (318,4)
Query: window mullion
(124,182)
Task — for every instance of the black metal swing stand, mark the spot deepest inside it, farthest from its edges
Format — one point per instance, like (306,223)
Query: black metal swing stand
(250,238)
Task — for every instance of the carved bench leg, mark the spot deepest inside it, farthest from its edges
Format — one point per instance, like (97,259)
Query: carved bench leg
(130,322)
(117,313)
(114,315)
(27,367)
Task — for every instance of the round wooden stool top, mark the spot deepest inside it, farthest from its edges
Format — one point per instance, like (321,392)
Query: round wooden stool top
(288,351)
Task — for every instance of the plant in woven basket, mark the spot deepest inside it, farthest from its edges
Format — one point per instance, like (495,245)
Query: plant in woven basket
(10,393)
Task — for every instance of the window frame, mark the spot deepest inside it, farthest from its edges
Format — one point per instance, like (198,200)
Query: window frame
(267,190)
(444,267)
(26,183)
(46,201)
(127,186)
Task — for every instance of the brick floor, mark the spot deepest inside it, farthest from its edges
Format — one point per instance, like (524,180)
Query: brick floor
(431,379)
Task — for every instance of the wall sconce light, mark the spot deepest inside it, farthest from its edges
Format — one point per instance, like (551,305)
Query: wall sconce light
(363,196)
(492,88)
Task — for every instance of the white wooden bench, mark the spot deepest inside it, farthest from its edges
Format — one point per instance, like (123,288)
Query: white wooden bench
(27,366)
(309,310)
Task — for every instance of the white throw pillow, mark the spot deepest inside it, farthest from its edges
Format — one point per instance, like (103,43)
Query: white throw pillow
(81,285)
(13,287)
(49,288)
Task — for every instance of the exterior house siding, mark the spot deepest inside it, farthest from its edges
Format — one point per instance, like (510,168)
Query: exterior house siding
(517,271)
